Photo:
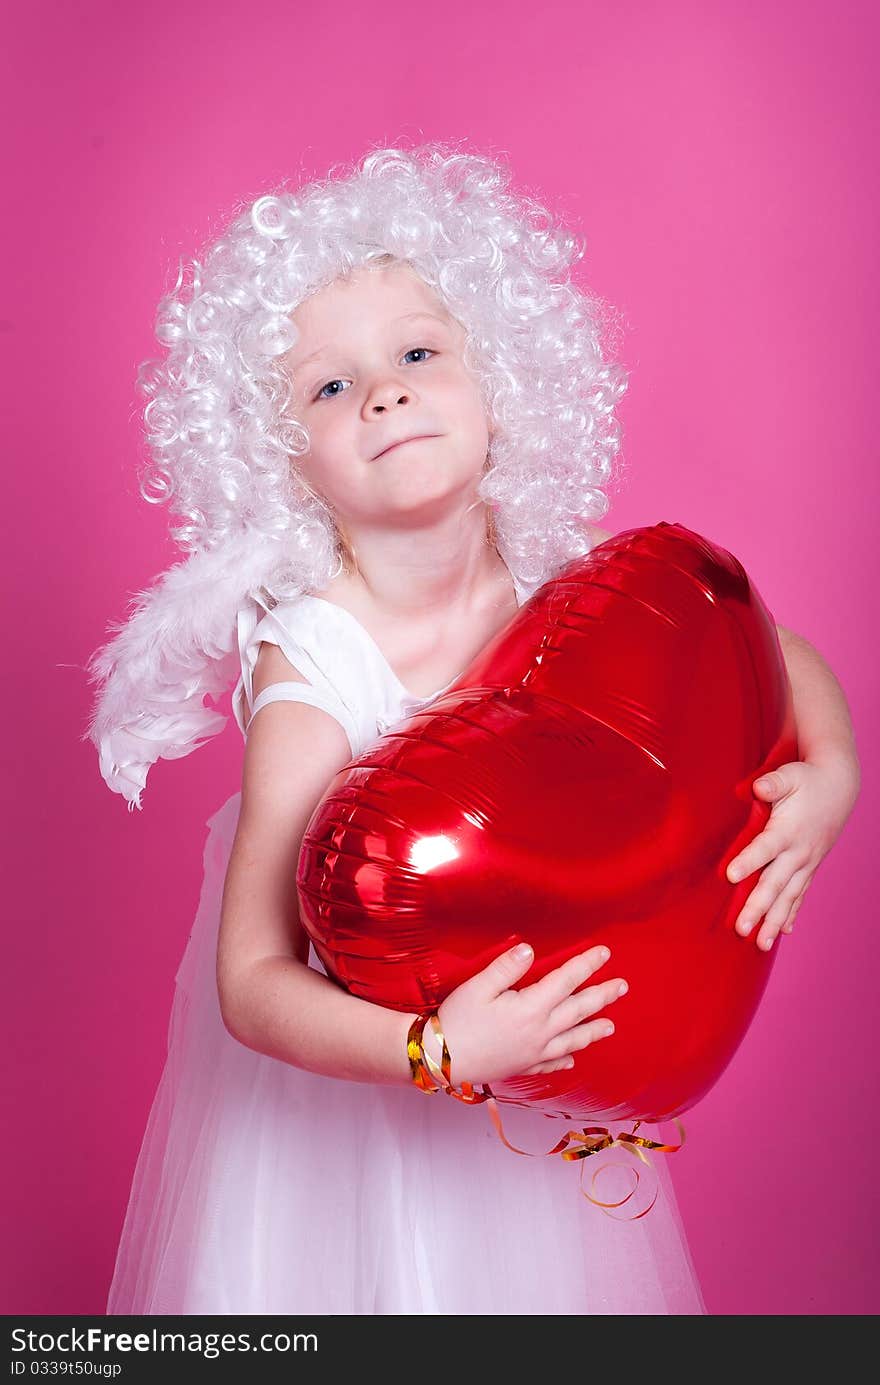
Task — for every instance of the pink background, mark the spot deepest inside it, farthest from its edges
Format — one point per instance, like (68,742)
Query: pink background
(719,160)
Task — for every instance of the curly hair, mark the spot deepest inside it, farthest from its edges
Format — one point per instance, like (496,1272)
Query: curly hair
(223,441)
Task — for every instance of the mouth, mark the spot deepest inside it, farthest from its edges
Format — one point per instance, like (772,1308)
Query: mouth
(420,437)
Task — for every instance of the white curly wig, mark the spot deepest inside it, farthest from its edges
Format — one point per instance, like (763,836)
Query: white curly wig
(223,441)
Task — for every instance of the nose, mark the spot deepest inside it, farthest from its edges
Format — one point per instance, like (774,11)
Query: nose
(387,394)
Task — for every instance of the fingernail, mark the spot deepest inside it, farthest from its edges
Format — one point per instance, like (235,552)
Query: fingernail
(604,953)
(733,874)
(622,988)
(522,951)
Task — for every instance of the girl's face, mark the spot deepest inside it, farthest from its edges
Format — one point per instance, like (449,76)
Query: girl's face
(379,362)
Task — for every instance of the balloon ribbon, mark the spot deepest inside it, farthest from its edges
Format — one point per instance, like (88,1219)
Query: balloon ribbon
(575,1144)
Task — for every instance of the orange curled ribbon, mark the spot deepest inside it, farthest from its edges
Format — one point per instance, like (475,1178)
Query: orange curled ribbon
(423,1067)
(592,1140)
(575,1144)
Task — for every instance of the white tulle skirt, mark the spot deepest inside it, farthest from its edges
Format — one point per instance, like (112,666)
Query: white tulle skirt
(264,1188)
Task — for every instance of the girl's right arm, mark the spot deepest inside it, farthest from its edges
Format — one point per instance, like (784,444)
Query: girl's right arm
(273,1002)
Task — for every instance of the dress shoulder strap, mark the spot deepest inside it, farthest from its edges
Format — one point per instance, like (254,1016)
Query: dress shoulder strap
(340,676)
(297,692)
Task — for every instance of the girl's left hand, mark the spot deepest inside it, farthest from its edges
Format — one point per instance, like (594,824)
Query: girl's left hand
(811,802)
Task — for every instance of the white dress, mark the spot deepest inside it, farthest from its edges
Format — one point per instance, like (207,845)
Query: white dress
(264,1188)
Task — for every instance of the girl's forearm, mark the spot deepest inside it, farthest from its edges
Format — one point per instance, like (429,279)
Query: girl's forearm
(824,726)
(290,1011)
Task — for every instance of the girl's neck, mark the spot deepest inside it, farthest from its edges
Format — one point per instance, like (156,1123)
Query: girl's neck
(417,578)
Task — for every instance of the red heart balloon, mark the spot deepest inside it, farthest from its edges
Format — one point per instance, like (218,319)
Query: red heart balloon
(586,780)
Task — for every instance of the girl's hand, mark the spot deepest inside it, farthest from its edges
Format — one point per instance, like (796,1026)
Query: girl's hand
(495,1033)
(811,802)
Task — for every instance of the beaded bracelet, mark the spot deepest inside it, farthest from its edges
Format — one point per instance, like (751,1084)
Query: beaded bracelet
(424,1069)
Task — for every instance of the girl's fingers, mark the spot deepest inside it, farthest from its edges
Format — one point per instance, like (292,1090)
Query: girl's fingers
(556,1066)
(588,1002)
(573,1040)
(778,876)
(557,985)
(779,912)
(788,926)
(503,972)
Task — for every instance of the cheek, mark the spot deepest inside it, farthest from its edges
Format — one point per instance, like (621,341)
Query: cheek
(337,460)
(331,432)
(474,420)
(462,392)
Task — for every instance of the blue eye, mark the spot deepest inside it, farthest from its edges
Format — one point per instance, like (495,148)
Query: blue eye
(322,395)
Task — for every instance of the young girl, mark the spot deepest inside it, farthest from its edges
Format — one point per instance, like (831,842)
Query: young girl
(385,419)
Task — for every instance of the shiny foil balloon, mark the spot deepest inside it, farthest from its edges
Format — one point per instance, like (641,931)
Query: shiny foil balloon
(586,780)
